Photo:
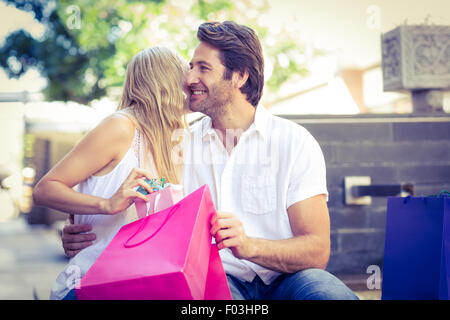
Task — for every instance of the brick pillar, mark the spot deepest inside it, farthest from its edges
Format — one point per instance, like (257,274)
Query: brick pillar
(416,59)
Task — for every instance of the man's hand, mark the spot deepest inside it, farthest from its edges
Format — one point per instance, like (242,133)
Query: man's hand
(74,239)
(308,248)
(229,232)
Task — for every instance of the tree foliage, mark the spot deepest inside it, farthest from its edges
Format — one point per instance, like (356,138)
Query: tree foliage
(87,44)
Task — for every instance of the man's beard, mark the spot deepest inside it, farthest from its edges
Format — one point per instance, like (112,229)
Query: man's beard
(218,97)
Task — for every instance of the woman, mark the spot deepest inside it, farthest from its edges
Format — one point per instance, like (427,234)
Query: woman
(114,158)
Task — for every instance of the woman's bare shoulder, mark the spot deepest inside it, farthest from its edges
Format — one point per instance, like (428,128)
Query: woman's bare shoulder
(117,126)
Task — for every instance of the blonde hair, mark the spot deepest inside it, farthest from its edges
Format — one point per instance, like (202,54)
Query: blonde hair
(153,96)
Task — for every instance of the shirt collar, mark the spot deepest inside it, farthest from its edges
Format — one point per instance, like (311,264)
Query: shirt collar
(207,129)
(261,120)
(259,124)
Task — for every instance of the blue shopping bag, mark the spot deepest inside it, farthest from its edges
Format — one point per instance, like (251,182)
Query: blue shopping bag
(417,249)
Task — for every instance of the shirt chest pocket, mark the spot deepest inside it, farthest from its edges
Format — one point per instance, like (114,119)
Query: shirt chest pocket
(259,194)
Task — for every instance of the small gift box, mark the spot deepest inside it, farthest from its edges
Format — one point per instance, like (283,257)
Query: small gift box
(164,196)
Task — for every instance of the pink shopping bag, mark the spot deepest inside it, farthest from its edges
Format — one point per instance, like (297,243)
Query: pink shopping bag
(158,200)
(163,256)
(216,281)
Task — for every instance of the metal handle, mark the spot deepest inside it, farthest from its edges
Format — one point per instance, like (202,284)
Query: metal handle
(382,190)
(359,190)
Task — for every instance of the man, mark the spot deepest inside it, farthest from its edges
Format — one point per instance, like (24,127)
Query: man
(266,176)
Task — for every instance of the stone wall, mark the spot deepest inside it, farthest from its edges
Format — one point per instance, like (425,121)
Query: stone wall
(391,150)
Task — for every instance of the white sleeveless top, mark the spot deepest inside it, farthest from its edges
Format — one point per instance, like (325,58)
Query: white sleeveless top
(104,226)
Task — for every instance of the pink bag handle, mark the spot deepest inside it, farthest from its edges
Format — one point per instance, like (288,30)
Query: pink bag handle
(144,222)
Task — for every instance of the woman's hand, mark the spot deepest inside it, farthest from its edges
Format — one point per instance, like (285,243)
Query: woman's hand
(125,195)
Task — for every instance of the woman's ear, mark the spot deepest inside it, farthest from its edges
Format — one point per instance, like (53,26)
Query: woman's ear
(240,78)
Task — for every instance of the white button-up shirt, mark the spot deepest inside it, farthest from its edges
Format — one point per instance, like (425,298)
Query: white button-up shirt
(275,164)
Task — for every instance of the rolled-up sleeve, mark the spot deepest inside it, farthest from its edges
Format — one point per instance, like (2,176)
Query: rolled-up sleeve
(308,171)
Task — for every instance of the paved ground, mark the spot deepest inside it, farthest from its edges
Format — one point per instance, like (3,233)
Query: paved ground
(31,257)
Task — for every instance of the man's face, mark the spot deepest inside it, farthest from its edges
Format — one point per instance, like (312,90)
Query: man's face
(207,89)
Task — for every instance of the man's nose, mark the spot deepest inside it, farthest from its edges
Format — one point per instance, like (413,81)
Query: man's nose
(191,77)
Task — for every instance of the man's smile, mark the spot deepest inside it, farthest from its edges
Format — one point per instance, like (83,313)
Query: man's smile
(198,92)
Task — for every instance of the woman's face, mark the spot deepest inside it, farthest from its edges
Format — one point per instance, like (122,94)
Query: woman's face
(186,90)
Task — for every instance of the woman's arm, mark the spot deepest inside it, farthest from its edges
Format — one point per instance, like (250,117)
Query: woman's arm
(102,148)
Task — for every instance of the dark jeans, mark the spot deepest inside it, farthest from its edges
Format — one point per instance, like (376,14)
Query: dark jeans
(308,284)
(70,295)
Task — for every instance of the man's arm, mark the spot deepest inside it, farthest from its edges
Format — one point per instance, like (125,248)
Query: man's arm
(76,237)
(308,248)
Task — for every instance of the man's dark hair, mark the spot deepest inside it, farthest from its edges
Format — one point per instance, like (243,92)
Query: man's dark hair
(240,50)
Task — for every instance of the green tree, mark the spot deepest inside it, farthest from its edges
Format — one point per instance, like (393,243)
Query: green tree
(87,44)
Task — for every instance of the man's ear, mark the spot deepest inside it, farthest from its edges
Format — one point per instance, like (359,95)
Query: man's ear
(240,78)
